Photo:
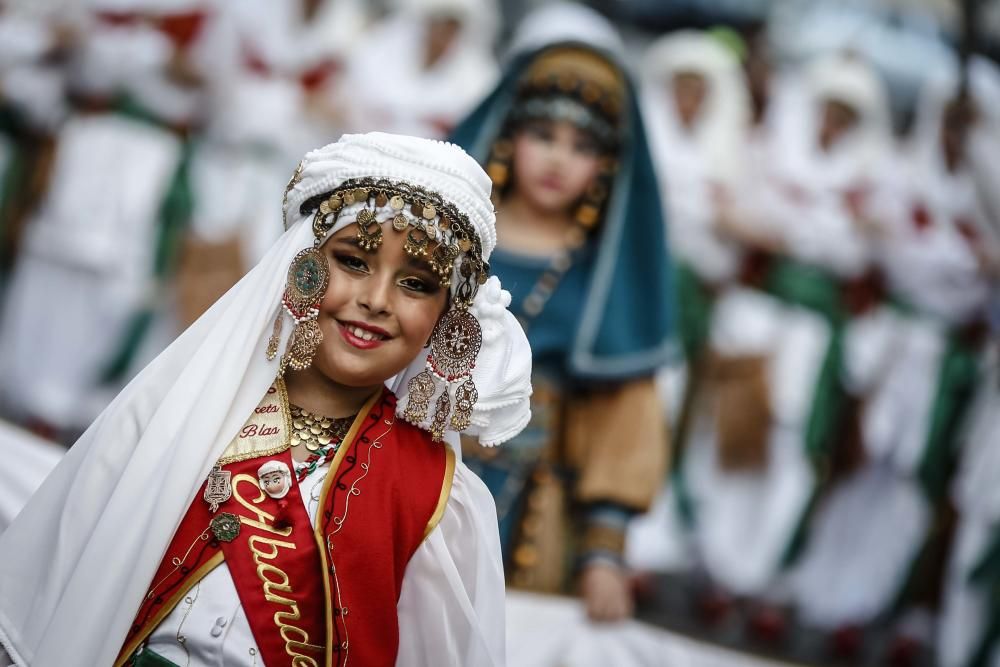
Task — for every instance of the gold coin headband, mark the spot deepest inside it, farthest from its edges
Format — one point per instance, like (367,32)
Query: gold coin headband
(436,230)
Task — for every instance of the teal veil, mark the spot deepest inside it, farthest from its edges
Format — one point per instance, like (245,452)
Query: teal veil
(627,324)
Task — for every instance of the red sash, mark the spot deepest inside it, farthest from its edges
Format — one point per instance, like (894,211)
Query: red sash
(387,487)
(274,568)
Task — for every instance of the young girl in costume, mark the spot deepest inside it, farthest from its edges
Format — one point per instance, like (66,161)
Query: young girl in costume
(585,255)
(697,109)
(272,489)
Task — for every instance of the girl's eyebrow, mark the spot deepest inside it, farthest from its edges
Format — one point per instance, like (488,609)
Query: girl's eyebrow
(347,240)
(420,264)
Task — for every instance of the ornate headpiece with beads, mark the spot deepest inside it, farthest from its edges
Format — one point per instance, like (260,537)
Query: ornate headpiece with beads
(438,196)
(577,85)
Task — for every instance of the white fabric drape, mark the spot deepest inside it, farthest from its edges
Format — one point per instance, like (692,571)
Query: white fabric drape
(27,461)
(113,502)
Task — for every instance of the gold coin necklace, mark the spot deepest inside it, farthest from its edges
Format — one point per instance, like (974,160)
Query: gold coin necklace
(320,435)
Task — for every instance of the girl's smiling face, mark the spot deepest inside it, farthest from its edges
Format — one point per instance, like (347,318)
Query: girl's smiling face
(379,310)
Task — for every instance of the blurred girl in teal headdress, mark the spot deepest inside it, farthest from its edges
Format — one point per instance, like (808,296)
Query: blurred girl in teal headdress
(583,250)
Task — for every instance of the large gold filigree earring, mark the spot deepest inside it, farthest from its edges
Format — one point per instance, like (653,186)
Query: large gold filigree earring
(455,344)
(308,277)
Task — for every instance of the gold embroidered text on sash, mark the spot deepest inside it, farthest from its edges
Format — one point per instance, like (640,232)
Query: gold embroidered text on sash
(265,551)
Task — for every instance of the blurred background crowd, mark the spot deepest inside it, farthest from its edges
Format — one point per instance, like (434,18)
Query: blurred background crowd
(830,174)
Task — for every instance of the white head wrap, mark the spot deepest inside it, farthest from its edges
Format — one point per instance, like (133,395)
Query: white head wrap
(859,154)
(89,541)
(561,22)
(722,125)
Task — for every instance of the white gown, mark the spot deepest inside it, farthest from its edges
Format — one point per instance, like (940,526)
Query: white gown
(85,267)
(975,495)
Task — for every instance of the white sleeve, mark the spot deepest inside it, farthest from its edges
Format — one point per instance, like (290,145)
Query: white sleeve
(451,607)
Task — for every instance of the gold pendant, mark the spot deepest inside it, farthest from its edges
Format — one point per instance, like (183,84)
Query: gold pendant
(441,411)
(465,399)
(369,235)
(420,389)
(218,488)
(275,339)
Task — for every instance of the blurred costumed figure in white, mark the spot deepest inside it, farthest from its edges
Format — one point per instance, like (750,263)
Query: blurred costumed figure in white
(912,365)
(104,237)
(442,65)
(765,414)
(32,106)
(697,109)
(970,619)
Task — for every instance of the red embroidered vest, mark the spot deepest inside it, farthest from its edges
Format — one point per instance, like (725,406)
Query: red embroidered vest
(314,593)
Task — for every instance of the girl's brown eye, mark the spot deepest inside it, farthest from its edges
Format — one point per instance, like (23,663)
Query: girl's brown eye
(350,262)
(417,285)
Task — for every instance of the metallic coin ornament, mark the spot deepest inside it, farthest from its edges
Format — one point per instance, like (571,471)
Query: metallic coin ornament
(302,345)
(225,527)
(455,344)
(465,399)
(399,222)
(308,277)
(218,488)
(416,243)
(316,431)
(420,390)
(369,232)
